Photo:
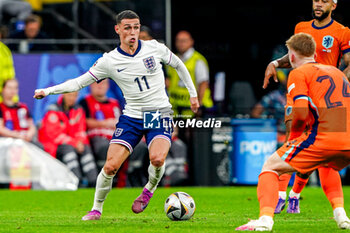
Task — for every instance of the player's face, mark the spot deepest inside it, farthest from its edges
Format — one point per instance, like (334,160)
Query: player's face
(128,31)
(10,90)
(321,9)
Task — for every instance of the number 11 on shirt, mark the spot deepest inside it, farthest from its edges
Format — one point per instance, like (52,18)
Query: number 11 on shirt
(137,80)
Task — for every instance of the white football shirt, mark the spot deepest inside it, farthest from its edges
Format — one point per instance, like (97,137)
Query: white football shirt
(139,76)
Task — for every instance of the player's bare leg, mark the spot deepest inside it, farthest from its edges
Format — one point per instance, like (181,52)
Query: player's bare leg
(268,193)
(158,151)
(116,155)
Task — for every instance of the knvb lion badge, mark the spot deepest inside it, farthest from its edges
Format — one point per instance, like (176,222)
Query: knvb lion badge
(151,120)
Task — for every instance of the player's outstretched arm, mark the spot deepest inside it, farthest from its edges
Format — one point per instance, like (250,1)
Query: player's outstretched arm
(194,104)
(187,80)
(270,71)
(71,85)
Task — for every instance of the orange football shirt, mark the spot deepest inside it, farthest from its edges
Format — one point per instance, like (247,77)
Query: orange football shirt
(327,91)
(332,40)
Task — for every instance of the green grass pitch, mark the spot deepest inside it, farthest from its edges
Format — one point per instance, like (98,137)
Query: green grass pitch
(218,210)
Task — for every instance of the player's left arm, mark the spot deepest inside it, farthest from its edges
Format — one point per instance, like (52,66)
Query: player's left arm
(174,61)
(202,79)
(345,49)
(346,59)
(186,78)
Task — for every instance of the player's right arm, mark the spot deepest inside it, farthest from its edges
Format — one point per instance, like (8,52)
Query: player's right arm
(71,85)
(282,62)
(270,71)
(98,72)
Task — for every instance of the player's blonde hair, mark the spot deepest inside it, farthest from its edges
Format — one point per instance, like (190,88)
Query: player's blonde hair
(303,44)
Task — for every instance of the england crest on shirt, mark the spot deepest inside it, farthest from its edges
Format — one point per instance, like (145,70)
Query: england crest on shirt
(327,41)
(118,132)
(149,63)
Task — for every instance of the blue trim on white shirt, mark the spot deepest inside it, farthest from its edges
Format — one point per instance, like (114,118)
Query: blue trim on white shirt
(130,55)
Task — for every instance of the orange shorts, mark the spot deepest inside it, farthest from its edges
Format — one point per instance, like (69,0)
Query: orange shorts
(306,157)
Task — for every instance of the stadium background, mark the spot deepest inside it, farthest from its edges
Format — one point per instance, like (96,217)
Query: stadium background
(233,38)
(236,37)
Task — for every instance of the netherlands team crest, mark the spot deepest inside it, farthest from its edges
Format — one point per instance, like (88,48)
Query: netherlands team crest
(289,110)
(149,63)
(327,42)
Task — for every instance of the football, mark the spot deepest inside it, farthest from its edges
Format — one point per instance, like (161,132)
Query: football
(179,206)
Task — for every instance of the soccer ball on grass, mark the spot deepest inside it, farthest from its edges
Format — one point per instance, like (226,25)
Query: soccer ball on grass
(179,206)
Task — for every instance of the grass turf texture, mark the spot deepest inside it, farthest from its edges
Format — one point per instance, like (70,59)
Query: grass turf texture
(218,210)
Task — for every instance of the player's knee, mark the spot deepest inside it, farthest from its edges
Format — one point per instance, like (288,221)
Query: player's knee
(110,168)
(157,159)
(157,162)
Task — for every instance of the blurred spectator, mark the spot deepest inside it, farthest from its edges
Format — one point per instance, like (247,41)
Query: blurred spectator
(18,10)
(15,118)
(241,99)
(7,70)
(198,67)
(31,31)
(145,33)
(63,134)
(272,106)
(102,114)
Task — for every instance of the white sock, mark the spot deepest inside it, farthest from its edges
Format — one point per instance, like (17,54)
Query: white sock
(103,186)
(267,223)
(267,219)
(282,194)
(338,212)
(293,194)
(155,174)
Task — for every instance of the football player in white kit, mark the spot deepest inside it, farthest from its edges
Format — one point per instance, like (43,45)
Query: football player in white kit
(136,67)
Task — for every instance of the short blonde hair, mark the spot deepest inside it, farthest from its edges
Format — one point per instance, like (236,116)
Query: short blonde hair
(303,44)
